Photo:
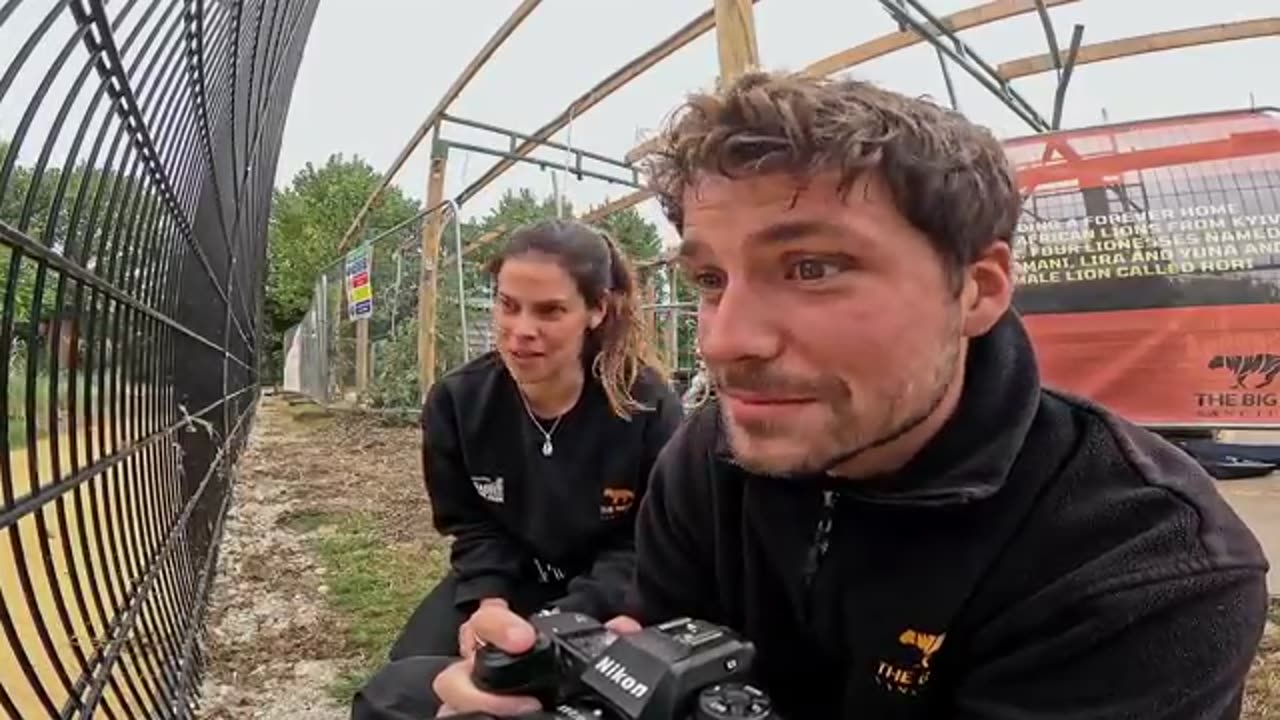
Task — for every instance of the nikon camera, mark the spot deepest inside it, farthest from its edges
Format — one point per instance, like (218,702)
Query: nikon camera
(680,670)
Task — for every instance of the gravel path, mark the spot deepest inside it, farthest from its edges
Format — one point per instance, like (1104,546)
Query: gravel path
(275,643)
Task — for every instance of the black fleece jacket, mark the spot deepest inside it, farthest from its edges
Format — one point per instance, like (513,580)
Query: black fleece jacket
(1041,558)
(520,517)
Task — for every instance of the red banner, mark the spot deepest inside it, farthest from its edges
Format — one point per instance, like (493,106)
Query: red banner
(1168,366)
(1148,266)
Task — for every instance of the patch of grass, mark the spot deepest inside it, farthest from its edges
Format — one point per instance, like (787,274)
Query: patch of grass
(372,585)
(307,521)
(40,390)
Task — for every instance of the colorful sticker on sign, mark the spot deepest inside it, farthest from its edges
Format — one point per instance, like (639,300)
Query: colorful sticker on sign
(359,289)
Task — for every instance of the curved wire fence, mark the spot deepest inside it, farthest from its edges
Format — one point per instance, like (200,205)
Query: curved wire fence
(138,145)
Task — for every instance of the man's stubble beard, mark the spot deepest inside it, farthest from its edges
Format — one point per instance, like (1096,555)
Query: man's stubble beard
(843,440)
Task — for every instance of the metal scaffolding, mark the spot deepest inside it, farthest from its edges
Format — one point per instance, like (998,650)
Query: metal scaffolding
(937,33)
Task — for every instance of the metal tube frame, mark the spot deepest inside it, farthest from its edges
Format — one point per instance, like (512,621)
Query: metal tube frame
(1064,77)
(462,278)
(948,44)
(1050,37)
(941,37)
(513,136)
(544,164)
(946,78)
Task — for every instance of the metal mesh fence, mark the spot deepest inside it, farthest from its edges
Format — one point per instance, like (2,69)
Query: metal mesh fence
(138,144)
(322,352)
(672,318)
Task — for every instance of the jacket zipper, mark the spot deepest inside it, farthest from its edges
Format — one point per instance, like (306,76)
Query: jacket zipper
(821,541)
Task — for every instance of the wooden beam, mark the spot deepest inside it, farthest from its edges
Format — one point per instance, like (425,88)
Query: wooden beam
(362,352)
(870,50)
(735,38)
(603,89)
(428,274)
(1142,44)
(641,150)
(503,32)
(484,239)
(614,206)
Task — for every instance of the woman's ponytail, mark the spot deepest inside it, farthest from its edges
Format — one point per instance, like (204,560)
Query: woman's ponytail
(623,336)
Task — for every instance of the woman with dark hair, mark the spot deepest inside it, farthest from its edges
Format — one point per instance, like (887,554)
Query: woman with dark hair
(536,455)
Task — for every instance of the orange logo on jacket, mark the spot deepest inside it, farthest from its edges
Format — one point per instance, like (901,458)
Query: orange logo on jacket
(616,502)
(909,677)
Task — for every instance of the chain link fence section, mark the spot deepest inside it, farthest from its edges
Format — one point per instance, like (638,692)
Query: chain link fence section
(138,145)
(322,353)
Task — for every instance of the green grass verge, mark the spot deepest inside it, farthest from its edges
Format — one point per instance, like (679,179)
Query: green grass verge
(372,586)
(16,396)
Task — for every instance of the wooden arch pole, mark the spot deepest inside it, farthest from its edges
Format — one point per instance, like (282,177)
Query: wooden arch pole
(1142,44)
(736,38)
(609,85)
(976,16)
(429,267)
(432,121)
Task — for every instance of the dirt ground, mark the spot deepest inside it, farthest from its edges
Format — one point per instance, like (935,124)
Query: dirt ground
(281,627)
(277,641)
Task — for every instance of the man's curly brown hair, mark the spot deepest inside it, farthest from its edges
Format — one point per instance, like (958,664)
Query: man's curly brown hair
(949,177)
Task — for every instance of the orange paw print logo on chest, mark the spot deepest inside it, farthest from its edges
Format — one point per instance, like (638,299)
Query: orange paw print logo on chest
(616,502)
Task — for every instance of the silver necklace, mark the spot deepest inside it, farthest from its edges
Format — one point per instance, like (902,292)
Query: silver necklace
(547,447)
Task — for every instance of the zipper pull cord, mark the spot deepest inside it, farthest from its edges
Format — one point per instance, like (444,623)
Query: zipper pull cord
(821,537)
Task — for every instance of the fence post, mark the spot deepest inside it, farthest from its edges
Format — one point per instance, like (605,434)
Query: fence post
(673,318)
(326,339)
(362,337)
(432,229)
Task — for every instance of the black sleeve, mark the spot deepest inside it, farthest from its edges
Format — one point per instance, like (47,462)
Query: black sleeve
(1169,649)
(485,558)
(674,573)
(601,592)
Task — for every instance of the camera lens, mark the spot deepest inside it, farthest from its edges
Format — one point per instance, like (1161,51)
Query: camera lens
(732,701)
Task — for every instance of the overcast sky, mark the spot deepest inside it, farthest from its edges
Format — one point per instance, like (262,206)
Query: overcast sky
(373,69)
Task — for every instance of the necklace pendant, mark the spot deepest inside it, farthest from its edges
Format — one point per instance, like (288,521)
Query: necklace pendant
(546,448)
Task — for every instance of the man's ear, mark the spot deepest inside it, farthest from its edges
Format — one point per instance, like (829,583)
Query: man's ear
(988,289)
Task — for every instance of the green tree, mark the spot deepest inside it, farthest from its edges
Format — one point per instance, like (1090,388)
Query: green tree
(308,219)
(637,237)
(25,203)
(43,206)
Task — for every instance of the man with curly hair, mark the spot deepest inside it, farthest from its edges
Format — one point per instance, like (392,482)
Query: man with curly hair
(883,497)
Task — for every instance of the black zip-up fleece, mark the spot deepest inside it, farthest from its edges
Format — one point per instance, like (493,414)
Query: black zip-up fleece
(1039,559)
(518,516)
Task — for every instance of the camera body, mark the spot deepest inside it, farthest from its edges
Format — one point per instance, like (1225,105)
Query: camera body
(679,669)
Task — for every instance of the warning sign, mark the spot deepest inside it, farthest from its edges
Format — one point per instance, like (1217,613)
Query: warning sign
(359,289)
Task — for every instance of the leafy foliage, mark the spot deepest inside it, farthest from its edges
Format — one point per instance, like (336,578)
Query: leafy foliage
(308,219)
(87,214)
